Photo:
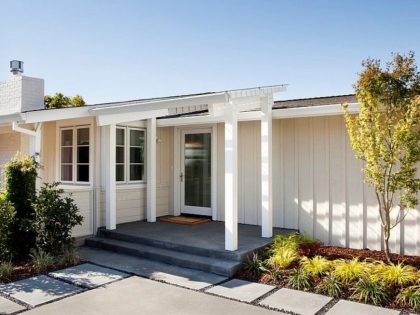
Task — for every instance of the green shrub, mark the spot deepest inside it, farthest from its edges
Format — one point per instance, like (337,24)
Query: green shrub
(56,216)
(6,270)
(7,215)
(20,177)
(70,256)
(409,297)
(330,286)
(349,270)
(370,291)
(290,241)
(394,274)
(42,260)
(300,280)
(254,265)
(315,266)
(283,257)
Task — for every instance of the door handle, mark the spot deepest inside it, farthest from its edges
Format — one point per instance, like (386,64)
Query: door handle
(181,177)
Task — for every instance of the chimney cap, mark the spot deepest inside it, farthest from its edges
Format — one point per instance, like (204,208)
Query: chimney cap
(16,66)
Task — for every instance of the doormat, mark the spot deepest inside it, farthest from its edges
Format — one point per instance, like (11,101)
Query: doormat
(183,219)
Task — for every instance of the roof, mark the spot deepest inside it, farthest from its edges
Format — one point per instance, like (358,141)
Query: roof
(315,101)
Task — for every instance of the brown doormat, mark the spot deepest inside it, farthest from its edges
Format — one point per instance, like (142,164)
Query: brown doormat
(183,219)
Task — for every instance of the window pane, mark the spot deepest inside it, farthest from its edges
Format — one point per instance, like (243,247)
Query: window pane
(82,173)
(66,137)
(119,155)
(120,136)
(83,154)
(83,136)
(66,172)
(67,155)
(120,173)
(136,172)
(136,137)
(136,155)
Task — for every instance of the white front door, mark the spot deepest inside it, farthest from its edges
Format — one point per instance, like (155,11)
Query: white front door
(196,171)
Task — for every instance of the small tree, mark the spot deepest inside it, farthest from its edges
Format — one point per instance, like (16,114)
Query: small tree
(7,215)
(59,100)
(385,134)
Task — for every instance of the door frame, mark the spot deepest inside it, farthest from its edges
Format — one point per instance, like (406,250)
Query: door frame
(178,133)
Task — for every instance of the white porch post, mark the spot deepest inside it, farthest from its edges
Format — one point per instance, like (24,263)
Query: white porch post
(35,150)
(266,168)
(151,170)
(231,179)
(110,185)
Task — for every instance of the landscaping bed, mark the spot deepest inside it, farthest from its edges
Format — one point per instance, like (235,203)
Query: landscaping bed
(360,275)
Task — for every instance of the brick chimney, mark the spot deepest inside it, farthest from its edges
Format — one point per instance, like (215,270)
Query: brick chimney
(20,93)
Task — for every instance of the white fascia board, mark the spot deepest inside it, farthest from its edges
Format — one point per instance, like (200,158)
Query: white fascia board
(258,91)
(4,119)
(103,120)
(323,110)
(160,104)
(56,114)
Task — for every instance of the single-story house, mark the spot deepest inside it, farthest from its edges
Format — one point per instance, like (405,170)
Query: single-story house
(236,156)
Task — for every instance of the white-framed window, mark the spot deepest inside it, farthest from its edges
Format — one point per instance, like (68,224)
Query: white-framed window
(130,155)
(75,155)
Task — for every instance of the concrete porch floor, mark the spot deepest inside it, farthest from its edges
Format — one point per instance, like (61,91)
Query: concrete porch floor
(210,236)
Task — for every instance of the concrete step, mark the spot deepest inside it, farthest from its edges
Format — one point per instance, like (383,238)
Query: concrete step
(228,255)
(224,267)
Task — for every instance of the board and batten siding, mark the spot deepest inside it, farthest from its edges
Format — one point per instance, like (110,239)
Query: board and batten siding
(317,185)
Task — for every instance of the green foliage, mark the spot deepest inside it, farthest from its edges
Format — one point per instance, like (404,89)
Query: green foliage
(330,286)
(300,280)
(42,260)
(60,101)
(394,274)
(370,291)
(349,270)
(70,256)
(290,241)
(20,178)
(283,257)
(7,215)
(6,270)
(385,134)
(56,216)
(315,266)
(409,297)
(254,265)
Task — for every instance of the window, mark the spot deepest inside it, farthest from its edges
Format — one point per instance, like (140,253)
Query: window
(129,154)
(74,155)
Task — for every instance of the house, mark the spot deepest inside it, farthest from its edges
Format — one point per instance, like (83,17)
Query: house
(236,156)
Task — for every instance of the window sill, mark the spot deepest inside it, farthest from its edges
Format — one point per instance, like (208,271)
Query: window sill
(75,187)
(124,186)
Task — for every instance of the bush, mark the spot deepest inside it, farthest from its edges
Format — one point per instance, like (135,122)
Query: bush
(316,266)
(254,265)
(42,260)
(56,216)
(70,256)
(409,297)
(370,291)
(283,257)
(20,177)
(349,270)
(7,215)
(394,274)
(330,287)
(6,270)
(300,280)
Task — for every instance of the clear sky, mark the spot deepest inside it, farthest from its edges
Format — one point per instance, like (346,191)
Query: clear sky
(118,50)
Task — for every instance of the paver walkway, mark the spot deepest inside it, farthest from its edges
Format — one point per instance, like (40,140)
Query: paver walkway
(9,307)
(241,290)
(348,307)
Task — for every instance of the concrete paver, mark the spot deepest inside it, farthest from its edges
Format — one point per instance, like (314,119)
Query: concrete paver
(137,295)
(88,275)
(348,307)
(188,278)
(241,290)
(38,290)
(299,302)
(9,307)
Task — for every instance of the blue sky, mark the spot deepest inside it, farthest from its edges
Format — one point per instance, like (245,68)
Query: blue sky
(118,50)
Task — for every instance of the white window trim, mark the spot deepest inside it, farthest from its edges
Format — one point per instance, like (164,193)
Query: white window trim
(127,180)
(74,152)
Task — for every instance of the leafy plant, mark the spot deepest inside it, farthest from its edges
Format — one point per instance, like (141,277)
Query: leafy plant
(6,270)
(349,270)
(370,291)
(315,266)
(290,241)
(42,260)
(70,256)
(58,100)
(20,176)
(7,215)
(254,265)
(300,280)
(395,274)
(330,287)
(56,216)
(409,297)
(385,134)
(283,257)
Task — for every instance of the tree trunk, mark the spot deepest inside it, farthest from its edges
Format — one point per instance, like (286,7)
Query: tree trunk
(387,234)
